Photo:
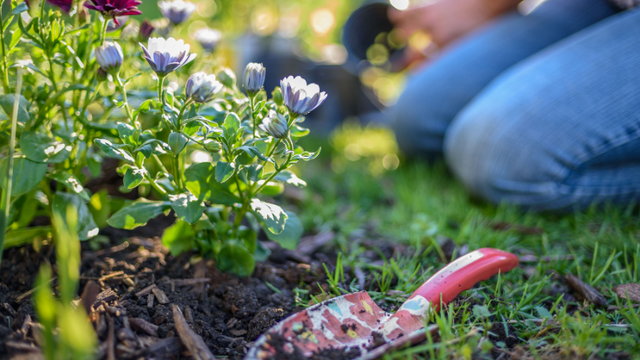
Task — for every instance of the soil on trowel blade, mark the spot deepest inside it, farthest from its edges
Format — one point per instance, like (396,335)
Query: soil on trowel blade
(136,283)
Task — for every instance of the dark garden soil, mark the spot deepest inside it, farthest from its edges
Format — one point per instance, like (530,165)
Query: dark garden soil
(131,286)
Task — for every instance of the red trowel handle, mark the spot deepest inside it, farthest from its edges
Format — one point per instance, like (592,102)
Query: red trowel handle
(463,273)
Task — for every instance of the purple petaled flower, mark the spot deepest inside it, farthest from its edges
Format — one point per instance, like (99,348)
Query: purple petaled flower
(145,31)
(208,38)
(299,97)
(177,11)
(166,56)
(114,8)
(64,5)
(202,88)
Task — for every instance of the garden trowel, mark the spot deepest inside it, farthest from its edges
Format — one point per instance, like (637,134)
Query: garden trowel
(355,324)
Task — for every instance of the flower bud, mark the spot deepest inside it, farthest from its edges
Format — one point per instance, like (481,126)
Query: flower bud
(227,77)
(276,94)
(254,75)
(211,145)
(275,124)
(202,88)
(145,31)
(101,74)
(109,56)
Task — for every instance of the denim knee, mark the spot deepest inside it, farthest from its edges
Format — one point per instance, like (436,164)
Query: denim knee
(501,164)
(417,128)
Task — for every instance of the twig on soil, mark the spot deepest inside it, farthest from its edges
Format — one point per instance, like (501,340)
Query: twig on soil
(200,273)
(111,351)
(160,295)
(105,296)
(187,282)
(586,290)
(89,295)
(112,275)
(88,254)
(150,301)
(21,298)
(190,339)
(146,290)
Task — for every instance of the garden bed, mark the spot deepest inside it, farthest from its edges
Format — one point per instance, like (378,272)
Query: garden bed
(131,287)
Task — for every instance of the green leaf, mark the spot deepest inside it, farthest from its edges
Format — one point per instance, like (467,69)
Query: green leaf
(271,215)
(254,152)
(133,177)
(298,131)
(179,238)
(143,108)
(177,142)
(137,213)
(235,258)
(114,150)
(94,162)
(231,126)
(20,8)
(26,174)
(290,178)
(128,134)
(291,234)
(86,226)
(543,312)
(41,148)
(71,182)
(262,252)
(481,311)
(272,188)
(6,102)
(24,236)
(249,237)
(306,156)
(201,182)
(100,207)
(224,171)
(187,207)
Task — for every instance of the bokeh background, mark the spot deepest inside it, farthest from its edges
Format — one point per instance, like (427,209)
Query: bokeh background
(300,37)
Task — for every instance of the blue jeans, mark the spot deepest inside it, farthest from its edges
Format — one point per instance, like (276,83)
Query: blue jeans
(540,110)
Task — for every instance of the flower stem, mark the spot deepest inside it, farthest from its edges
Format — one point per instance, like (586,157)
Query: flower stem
(184,107)
(251,102)
(5,69)
(274,148)
(176,172)
(104,30)
(155,185)
(275,173)
(125,100)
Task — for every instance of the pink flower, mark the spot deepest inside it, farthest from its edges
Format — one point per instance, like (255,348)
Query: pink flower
(114,8)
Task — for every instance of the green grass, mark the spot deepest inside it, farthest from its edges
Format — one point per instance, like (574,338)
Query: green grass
(418,204)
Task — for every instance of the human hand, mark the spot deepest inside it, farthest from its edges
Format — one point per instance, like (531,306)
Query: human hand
(448,20)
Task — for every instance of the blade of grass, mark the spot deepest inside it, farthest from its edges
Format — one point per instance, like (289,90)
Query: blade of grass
(5,202)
